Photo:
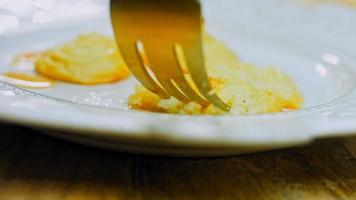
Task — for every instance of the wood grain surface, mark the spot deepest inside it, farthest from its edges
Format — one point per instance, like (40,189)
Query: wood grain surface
(37,167)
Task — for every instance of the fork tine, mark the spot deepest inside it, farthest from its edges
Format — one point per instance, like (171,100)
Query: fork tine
(170,75)
(168,84)
(137,66)
(183,82)
(140,72)
(196,66)
(164,68)
(184,85)
(132,50)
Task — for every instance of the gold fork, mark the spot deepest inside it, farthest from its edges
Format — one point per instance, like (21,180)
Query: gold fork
(159,41)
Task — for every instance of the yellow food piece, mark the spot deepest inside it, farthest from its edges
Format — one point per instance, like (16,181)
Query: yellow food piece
(89,59)
(26,80)
(246,88)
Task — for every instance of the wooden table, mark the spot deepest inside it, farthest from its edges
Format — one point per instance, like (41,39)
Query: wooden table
(36,167)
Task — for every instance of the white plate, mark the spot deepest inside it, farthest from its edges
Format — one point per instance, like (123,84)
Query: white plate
(315,45)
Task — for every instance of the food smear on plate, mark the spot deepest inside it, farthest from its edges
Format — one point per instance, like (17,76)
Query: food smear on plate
(245,87)
(89,59)
(25,80)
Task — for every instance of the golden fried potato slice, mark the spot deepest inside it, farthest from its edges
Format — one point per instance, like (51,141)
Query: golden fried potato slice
(89,59)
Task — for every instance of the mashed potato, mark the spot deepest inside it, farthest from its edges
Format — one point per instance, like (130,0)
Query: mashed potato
(246,88)
(89,59)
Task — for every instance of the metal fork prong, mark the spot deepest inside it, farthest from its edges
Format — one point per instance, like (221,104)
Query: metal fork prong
(184,86)
(142,74)
(196,66)
(165,83)
(133,52)
(174,91)
(145,78)
(182,81)
(179,88)
(165,68)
